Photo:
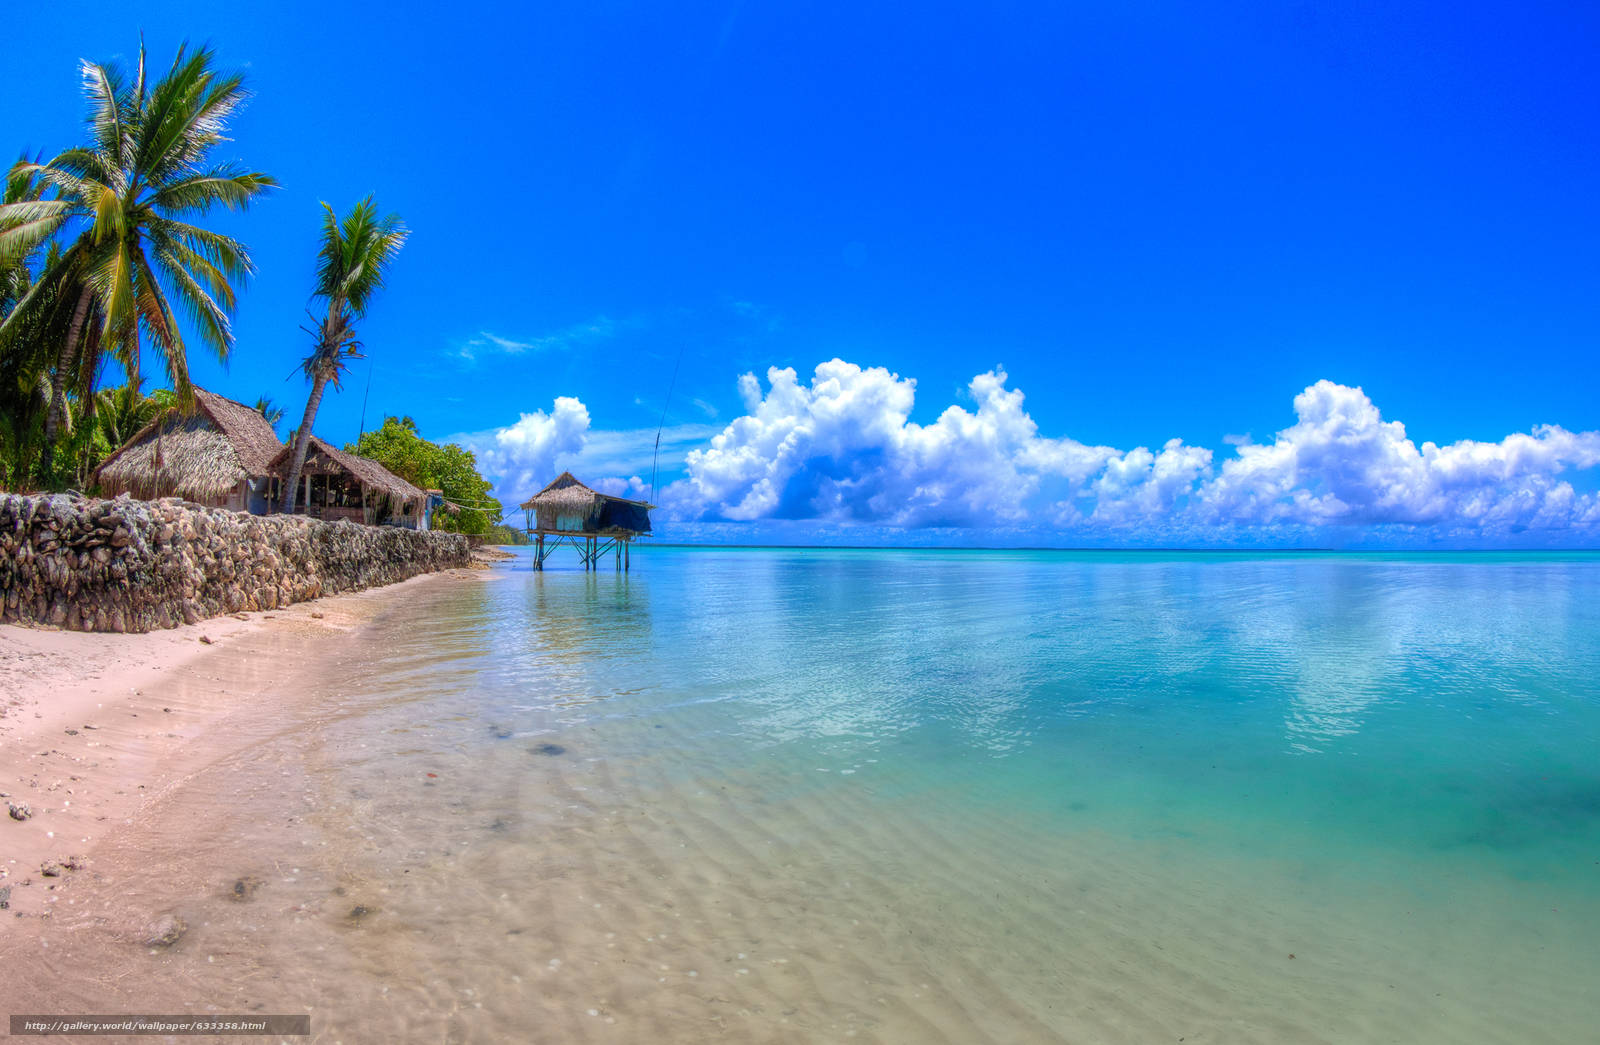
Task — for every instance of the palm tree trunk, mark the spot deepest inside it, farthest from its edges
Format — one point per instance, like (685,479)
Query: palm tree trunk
(56,416)
(302,439)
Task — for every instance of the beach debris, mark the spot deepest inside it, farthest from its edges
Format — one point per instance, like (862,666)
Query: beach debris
(433,776)
(206,639)
(316,616)
(18,812)
(547,749)
(244,888)
(241,616)
(361,911)
(5,897)
(72,732)
(167,930)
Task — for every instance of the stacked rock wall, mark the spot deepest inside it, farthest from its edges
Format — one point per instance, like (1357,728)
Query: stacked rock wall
(125,565)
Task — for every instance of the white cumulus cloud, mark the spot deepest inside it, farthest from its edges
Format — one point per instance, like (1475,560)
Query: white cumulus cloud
(1342,464)
(522,457)
(841,448)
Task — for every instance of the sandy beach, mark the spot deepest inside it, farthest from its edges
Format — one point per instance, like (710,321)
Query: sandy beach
(99,731)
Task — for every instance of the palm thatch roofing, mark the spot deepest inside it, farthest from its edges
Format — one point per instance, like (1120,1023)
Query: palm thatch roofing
(567,496)
(323,457)
(201,457)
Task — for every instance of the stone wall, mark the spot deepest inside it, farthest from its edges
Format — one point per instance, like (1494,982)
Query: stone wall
(125,565)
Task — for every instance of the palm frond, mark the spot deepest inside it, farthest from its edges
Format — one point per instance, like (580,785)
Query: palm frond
(225,252)
(356,253)
(25,225)
(227,186)
(102,85)
(207,315)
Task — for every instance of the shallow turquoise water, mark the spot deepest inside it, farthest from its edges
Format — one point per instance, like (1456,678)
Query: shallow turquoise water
(1419,709)
(1384,765)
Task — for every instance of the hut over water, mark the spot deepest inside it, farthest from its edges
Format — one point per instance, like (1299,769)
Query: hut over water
(568,512)
(219,457)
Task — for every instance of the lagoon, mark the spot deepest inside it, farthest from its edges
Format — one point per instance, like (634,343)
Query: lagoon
(823,795)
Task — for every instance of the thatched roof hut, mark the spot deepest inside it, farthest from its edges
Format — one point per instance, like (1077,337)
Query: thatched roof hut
(212,456)
(567,506)
(345,485)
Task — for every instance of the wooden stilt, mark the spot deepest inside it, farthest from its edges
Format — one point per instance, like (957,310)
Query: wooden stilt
(591,548)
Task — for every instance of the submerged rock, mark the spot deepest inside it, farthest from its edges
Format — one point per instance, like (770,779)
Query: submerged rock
(244,888)
(167,930)
(547,749)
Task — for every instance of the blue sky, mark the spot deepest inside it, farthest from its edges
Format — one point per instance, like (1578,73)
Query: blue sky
(1159,222)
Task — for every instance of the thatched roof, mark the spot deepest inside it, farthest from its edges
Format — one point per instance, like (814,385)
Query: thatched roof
(201,457)
(564,493)
(364,469)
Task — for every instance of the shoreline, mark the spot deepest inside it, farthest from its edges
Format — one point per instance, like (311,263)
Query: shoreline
(95,728)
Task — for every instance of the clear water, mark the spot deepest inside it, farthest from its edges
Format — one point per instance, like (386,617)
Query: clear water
(911,796)
(1145,780)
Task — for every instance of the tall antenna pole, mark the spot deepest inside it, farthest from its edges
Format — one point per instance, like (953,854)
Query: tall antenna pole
(364,402)
(655,460)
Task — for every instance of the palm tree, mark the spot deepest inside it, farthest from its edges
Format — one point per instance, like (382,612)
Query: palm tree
(132,192)
(269,410)
(124,411)
(351,265)
(25,355)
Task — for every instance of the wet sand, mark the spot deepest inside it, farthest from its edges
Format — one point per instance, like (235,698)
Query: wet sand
(109,745)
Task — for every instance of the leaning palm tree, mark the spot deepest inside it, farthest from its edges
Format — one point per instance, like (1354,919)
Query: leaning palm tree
(351,265)
(131,193)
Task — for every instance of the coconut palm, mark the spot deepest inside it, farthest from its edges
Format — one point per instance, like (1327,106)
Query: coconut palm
(352,263)
(269,410)
(131,194)
(25,355)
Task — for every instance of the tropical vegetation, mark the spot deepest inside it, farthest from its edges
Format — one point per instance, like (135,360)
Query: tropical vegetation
(105,245)
(450,468)
(105,252)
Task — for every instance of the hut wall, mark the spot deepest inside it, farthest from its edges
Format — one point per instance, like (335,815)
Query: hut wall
(621,515)
(567,519)
(260,496)
(125,565)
